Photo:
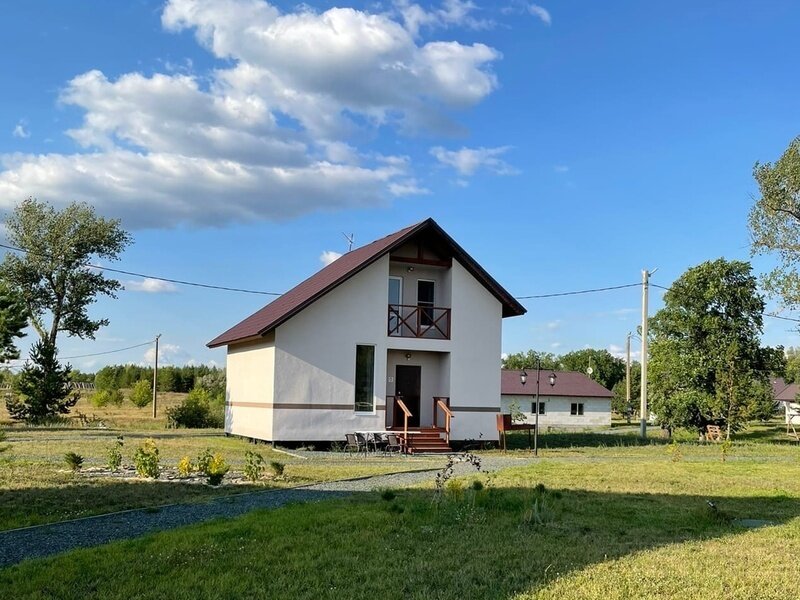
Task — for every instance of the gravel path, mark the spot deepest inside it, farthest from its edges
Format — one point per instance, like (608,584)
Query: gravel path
(44,540)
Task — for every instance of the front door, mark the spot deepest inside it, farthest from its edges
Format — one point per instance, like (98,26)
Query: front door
(407,386)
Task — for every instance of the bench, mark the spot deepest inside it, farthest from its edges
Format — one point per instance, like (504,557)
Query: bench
(713,433)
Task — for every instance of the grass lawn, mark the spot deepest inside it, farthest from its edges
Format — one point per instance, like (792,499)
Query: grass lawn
(617,521)
(36,487)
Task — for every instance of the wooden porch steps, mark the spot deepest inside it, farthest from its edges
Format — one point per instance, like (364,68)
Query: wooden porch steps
(427,440)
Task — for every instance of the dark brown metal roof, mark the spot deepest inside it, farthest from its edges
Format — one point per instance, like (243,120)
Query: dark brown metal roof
(340,270)
(568,383)
(785,392)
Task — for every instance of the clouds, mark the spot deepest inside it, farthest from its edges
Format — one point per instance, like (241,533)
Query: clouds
(270,133)
(467,161)
(151,286)
(20,130)
(328,256)
(540,13)
(168,354)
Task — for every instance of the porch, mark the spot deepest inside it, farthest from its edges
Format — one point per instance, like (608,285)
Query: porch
(415,439)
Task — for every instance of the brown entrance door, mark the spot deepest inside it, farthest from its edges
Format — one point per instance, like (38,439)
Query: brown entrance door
(407,386)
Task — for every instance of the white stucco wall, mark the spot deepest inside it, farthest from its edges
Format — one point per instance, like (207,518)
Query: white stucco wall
(596,411)
(474,357)
(792,412)
(249,393)
(316,356)
(435,378)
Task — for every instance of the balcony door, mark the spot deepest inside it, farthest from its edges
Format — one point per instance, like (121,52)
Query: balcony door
(425,301)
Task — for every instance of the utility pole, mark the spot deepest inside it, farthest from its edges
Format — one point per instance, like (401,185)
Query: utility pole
(628,378)
(155,378)
(643,406)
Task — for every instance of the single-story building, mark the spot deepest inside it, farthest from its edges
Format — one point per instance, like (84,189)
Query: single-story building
(575,401)
(402,334)
(787,395)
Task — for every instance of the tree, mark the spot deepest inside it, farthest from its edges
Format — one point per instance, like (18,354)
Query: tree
(42,388)
(706,362)
(607,369)
(142,393)
(619,403)
(775,222)
(53,277)
(13,319)
(528,360)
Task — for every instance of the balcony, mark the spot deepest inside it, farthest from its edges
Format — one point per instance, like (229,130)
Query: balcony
(413,321)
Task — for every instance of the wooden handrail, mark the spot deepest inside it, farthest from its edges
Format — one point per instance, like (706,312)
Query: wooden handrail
(439,402)
(406,414)
(407,318)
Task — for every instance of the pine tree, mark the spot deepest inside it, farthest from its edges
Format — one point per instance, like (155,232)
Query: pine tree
(42,389)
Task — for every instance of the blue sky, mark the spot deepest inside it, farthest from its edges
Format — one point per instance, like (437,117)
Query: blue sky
(565,145)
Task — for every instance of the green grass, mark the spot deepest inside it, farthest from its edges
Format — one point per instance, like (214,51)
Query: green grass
(618,522)
(38,488)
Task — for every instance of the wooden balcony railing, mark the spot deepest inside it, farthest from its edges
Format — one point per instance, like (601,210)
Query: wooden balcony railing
(442,403)
(432,322)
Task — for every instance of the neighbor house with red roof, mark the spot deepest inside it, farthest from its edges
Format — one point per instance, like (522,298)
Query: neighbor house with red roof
(788,395)
(574,402)
(402,334)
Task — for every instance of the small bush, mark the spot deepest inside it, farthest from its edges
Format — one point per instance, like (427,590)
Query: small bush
(277,468)
(115,455)
(253,466)
(74,461)
(204,460)
(388,495)
(455,489)
(142,393)
(725,449)
(477,485)
(195,412)
(674,450)
(185,467)
(146,459)
(216,470)
(105,397)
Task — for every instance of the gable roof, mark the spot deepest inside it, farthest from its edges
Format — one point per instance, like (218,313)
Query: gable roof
(785,392)
(568,383)
(302,295)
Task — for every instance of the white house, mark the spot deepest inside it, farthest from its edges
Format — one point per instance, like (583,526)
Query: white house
(574,402)
(409,319)
(787,394)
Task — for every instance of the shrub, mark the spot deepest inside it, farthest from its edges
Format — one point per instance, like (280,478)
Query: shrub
(277,468)
(74,461)
(185,467)
(195,412)
(477,485)
(204,460)
(115,455)
(253,465)
(725,449)
(146,459)
(105,397)
(142,393)
(388,495)
(674,450)
(216,470)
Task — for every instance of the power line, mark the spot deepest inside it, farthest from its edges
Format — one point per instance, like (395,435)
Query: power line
(92,354)
(575,293)
(156,277)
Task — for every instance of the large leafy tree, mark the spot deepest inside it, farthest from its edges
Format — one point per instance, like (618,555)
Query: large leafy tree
(707,365)
(42,387)
(529,360)
(53,277)
(13,319)
(775,222)
(607,369)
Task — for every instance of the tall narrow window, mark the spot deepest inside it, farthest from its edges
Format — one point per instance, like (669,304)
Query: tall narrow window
(425,301)
(365,379)
(395,301)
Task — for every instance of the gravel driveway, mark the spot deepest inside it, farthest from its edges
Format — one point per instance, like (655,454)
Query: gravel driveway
(44,540)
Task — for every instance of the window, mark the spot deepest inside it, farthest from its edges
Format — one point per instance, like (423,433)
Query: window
(365,378)
(576,409)
(541,408)
(425,301)
(395,300)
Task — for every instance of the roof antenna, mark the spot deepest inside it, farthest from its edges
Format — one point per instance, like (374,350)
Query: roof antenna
(349,239)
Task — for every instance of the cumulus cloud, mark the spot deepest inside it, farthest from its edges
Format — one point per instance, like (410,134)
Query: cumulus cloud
(168,354)
(328,256)
(269,135)
(450,13)
(467,161)
(20,131)
(151,286)
(619,352)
